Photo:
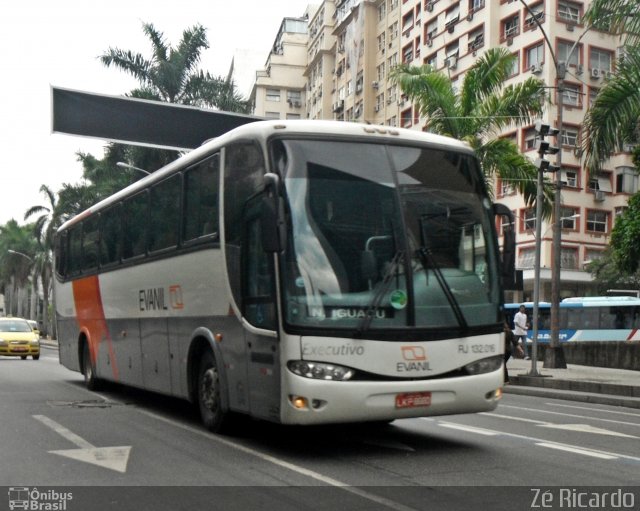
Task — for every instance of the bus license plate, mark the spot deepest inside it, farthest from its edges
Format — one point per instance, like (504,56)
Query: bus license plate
(413,399)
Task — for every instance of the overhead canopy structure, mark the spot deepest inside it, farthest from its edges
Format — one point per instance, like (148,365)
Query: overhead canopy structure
(139,122)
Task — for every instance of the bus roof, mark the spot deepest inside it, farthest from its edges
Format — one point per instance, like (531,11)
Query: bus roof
(262,130)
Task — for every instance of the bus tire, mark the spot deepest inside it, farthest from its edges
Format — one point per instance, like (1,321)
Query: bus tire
(35,357)
(90,379)
(213,416)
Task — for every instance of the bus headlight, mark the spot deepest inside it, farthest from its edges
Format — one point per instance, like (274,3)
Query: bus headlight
(486,365)
(320,370)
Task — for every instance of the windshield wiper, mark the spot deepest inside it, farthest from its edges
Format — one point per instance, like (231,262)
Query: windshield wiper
(374,304)
(425,256)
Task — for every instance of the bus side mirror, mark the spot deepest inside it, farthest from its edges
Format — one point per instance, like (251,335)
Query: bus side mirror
(509,279)
(272,215)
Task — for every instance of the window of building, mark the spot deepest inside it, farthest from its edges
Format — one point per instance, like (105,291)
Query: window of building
(592,254)
(600,59)
(597,221)
(407,23)
(569,177)
(273,94)
(593,93)
(382,11)
(510,27)
(406,118)
(515,66)
(432,60)
(568,218)
(568,53)
(476,39)
(452,52)
(393,30)
(407,53)
(432,29)
(569,137)
(535,12)
(526,258)
(626,180)
(572,95)
(382,42)
(534,55)
(569,11)
(569,258)
(475,5)
(528,220)
(530,139)
(600,183)
(272,115)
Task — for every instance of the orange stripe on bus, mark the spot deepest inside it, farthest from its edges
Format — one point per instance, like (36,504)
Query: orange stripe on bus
(91,319)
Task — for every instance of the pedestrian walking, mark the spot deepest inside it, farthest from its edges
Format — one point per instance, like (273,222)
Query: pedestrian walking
(520,327)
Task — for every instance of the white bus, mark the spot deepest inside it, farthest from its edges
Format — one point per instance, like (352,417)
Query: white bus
(300,272)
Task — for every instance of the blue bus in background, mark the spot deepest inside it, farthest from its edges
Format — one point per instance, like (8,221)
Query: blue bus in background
(593,318)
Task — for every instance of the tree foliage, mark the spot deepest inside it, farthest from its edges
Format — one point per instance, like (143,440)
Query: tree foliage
(479,111)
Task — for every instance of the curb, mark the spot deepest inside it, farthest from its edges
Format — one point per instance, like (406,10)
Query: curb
(570,395)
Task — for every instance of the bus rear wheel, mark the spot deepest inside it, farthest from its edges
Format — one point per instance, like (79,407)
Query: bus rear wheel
(213,416)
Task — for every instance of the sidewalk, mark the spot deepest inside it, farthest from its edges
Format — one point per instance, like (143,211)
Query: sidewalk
(587,384)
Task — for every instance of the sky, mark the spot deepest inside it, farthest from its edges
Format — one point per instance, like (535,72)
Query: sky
(46,43)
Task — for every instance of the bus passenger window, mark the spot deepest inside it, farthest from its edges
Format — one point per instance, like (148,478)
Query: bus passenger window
(201,199)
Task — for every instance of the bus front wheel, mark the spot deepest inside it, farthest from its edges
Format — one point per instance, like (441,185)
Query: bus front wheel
(90,379)
(213,416)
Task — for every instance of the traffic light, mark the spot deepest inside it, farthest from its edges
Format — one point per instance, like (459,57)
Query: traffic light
(544,147)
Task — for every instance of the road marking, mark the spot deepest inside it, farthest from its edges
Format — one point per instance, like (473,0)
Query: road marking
(539,441)
(571,415)
(113,458)
(470,429)
(604,410)
(583,428)
(282,463)
(562,447)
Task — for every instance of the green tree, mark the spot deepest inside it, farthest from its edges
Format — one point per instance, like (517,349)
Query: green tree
(481,109)
(47,222)
(625,238)
(619,17)
(15,269)
(614,116)
(607,275)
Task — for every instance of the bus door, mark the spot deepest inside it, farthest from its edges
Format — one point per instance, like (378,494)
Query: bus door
(259,311)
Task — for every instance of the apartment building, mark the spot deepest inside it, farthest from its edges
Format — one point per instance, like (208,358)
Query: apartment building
(352,44)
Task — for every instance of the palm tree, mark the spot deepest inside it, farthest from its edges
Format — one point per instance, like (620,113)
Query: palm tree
(619,17)
(16,242)
(44,229)
(479,112)
(171,75)
(614,117)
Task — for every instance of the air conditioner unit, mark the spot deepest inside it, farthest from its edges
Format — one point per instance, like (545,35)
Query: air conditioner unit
(375,85)
(536,69)
(599,196)
(452,62)
(429,42)
(509,41)
(470,16)
(429,6)
(595,73)
(579,69)
(608,75)
(376,108)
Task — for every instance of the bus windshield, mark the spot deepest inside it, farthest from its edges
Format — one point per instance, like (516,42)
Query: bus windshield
(386,236)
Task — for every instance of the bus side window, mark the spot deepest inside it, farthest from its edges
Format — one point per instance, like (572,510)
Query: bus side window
(201,188)
(135,220)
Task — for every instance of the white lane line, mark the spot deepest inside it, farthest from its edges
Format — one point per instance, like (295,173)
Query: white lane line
(589,408)
(574,450)
(470,429)
(559,445)
(282,463)
(637,425)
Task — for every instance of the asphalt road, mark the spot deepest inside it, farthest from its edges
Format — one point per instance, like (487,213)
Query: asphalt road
(128,449)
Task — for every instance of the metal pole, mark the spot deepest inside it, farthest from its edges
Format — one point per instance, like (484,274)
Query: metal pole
(536,277)
(554,355)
